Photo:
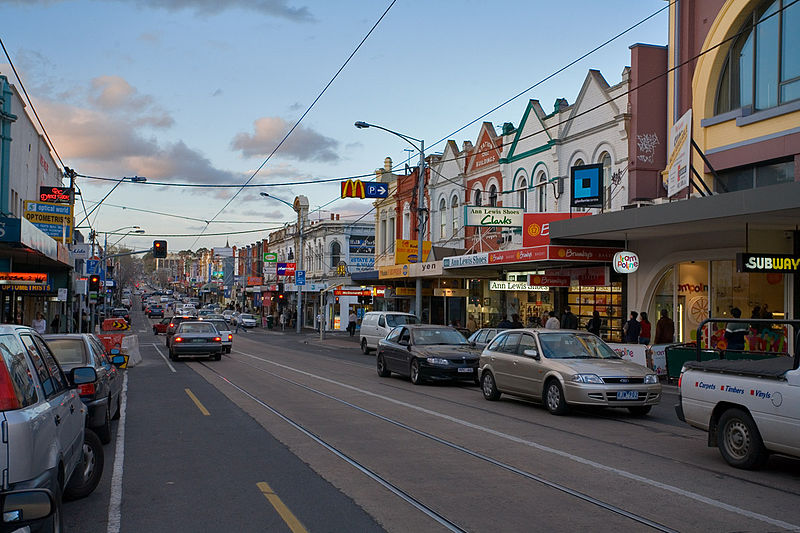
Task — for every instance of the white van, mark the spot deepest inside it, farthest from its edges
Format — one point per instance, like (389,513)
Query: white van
(377,324)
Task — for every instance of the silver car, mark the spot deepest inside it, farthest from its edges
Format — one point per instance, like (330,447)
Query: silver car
(565,367)
(224,331)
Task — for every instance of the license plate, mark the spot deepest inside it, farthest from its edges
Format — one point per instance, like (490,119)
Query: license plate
(628,395)
(465,370)
(198,340)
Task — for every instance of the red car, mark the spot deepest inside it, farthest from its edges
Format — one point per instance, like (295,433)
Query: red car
(161,327)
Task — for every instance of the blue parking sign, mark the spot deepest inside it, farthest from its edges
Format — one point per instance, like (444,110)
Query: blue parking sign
(300,277)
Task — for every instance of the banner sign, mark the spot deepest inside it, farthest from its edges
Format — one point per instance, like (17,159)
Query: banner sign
(352,292)
(543,280)
(782,263)
(679,148)
(587,186)
(488,217)
(635,353)
(461,261)
(405,251)
(394,271)
(536,226)
(362,244)
(23,278)
(254,280)
(360,189)
(286,269)
(56,195)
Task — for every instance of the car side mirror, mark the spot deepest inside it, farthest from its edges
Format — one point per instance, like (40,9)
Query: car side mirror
(82,374)
(531,353)
(473,343)
(22,507)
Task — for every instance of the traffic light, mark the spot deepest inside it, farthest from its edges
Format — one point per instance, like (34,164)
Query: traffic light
(159,249)
(94,283)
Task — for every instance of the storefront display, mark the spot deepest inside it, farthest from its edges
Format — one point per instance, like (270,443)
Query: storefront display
(585,300)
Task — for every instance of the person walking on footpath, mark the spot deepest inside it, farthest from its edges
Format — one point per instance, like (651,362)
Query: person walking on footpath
(351,323)
(593,326)
(569,320)
(39,323)
(55,324)
(283,321)
(665,329)
(552,322)
(736,332)
(632,329)
(644,324)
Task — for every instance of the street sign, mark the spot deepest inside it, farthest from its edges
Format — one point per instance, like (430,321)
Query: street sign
(300,277)
(93,267)
(270,257)
(62,295)
(359,189)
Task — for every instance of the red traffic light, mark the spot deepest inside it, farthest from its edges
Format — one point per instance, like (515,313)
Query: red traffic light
(160,249)
(94,282)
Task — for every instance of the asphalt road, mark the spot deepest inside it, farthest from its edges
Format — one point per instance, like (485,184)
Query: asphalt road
(345,450)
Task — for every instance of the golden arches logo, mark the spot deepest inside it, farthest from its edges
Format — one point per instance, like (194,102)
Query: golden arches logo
(534,230)
(353,189)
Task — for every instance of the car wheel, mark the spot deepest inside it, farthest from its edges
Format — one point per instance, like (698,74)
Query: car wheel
(488,387)
(119,408)
(416,375)
(554,398)
(89,471)
(228,349)
(381,365)
(364,348)
(218,356)
(640,410)
(739,441)
(104,431)
(172,356)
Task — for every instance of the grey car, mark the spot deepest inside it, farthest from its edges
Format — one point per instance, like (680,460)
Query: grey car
(483,337)
(195,338)
(42,418)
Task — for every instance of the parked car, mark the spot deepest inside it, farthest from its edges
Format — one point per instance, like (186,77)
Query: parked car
(224,331)
(161,326)
(195,338)
(121,312)
(246,320)
(560,368)
(103,396)
(42,418)
(482,337)
(424,352)
(377,324)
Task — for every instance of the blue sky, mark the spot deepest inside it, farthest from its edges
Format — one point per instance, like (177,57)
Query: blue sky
(201,91)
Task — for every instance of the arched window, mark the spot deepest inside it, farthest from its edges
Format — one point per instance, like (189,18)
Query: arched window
(523,194)
(493,196)
(477,197)
(605,160)
(578,163)
(336,254)
(454,214)
(542,186)
(442,219)
(763,64)
(406,222)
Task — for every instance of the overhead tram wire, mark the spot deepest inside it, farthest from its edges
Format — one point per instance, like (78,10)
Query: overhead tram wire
(283,140)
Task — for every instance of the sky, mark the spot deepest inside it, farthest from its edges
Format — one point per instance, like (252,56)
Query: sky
(202,91)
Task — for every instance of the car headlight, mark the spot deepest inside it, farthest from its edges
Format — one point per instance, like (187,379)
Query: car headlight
(587,378)
(437,361)
(650,379)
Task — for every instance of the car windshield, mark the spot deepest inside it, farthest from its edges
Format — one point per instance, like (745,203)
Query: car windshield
(430,336)
(67,351)
(221,325)
(195,327)
(399,320)
(246,316)
(575,346)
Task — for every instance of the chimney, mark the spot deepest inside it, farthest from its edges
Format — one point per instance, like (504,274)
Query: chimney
(337,216)
(387,164)
(332,216)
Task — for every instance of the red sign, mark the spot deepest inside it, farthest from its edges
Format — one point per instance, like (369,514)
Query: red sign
(521,255)
(536,226)
(255,280)
(352,292)
(546,280)
(598,276)
(380,292)
(22,278)
(55,195)
(581,253)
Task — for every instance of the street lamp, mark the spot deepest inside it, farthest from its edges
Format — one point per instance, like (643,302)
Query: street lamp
(300,204)
(420,198)
(138,231)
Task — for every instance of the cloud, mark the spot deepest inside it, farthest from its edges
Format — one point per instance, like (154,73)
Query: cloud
(115,94)
(178,162)
(275,8)
(304,144)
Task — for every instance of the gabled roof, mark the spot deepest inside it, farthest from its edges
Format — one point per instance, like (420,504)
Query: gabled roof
(593,79)
(487,150)
(535,128)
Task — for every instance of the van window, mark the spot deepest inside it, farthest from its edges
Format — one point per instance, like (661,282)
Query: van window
(399,320)
(381,322)
(11,353)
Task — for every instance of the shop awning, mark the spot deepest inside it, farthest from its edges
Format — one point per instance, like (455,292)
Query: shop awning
(27,244)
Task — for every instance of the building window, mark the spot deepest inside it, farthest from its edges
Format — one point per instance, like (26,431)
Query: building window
(762,69)
(605,160)
(542,192)
(336,254)
(493,196)
(442,219)
(454,209)
(391,235)
(750,177)
(523,194)
(406,222)
(477,197)
(383,245)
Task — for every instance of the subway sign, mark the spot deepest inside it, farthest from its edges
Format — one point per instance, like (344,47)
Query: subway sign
(781,263)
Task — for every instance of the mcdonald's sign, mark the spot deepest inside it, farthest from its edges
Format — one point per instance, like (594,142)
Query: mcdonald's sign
(359,189)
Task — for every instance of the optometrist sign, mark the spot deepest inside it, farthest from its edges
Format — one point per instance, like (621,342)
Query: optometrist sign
(488,217)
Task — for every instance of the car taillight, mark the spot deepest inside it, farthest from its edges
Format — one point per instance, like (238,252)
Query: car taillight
(680,378)
(171,325)
(86,389)
(217,339)
(178,339)
(8,396)
(230,336)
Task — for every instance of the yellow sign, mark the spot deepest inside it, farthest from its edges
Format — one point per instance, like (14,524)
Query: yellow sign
(353,189)
(451,292)
(411,291)
(405,251)
(394,271)
(55,220)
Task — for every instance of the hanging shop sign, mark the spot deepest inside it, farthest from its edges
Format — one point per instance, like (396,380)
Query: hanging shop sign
(352,292)
(495,285)
(536,226)
(783,263)
(23,278)
(625,262)
(596,276)
(544,280)
(380,292)
(587,186)
(286,269)
(462,261)
(360,189)
(405,251)
(457,293)
(489,217)
(270,257)
(679,148)
(433,268)
(56,195)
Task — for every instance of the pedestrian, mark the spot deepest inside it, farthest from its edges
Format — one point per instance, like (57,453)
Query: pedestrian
(552,322)
(593,326)
(644,325)
(505,323)
(55,324)
(735,332)
(351,323)
(516,323)
(665,329)
(568,319)
(39,323)
(283,321)
(631,329)
(472,326)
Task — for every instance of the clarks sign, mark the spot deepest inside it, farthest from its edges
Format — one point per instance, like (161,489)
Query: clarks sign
(493,216)
(783,263)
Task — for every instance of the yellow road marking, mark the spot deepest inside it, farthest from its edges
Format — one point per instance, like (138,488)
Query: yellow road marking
(197,403)
(290,519)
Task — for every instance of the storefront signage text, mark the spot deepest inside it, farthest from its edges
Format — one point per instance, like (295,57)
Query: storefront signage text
(625,262)
(22,278)
(548,281)
(492,216)
(394,271)
(286,269)
(55,195)
(254,280)
(433,268)
(783,263)
(515,286)
(405,251)
(352,292)
(537,226)
(459,293)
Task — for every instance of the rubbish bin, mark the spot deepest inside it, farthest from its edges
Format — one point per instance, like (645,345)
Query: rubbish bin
(270,320)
